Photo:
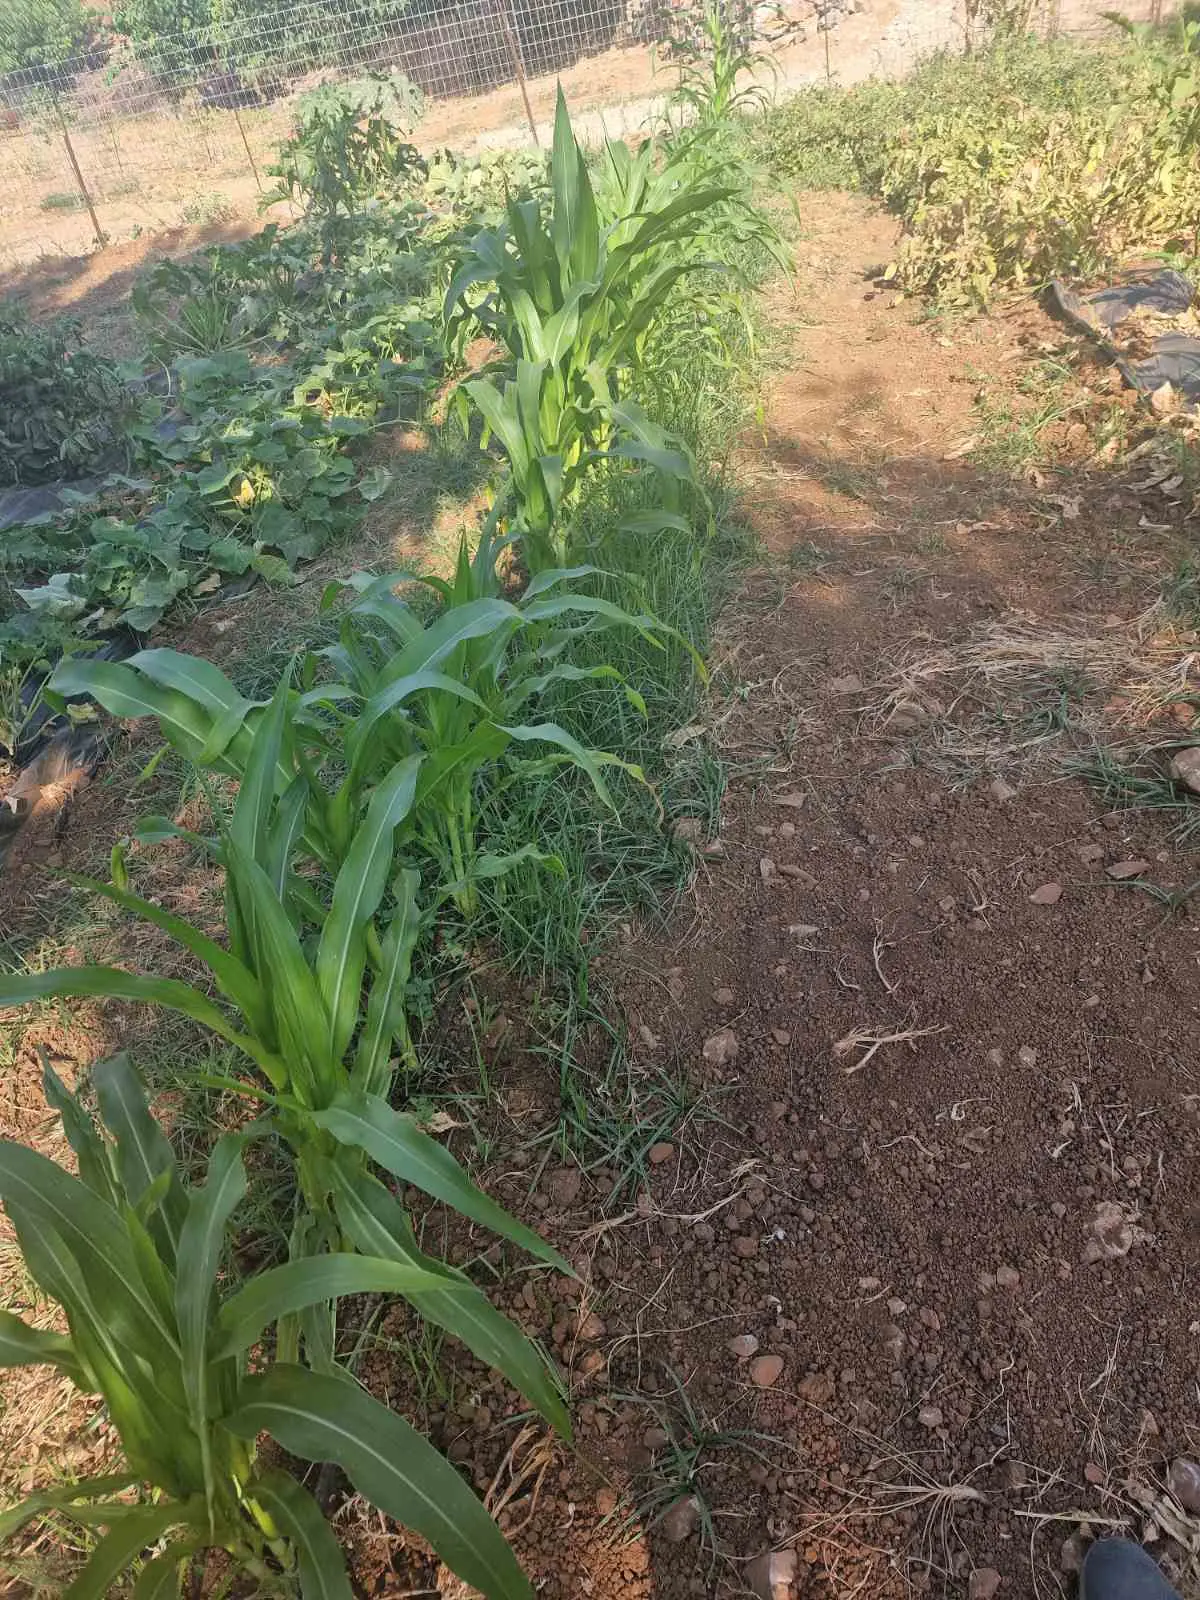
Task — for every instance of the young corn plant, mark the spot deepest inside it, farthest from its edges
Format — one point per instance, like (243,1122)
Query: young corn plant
(571,296)
(459,696)
(292,1005)
(132,1256)
(709,91)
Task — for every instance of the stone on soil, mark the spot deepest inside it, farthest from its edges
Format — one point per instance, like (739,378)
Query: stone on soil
(1048,895)
(743,1345)
(721,1047)
(1185,768)
(985,1581)
(1183,1480)
(680,1520)
(772,1574)
(766,1370)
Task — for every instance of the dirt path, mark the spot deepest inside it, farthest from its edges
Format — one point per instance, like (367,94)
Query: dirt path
(970,1256)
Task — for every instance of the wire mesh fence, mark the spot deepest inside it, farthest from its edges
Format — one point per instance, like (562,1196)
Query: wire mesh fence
(165,129)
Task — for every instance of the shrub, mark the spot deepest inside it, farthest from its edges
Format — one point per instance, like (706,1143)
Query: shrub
(61,407)
(41,33)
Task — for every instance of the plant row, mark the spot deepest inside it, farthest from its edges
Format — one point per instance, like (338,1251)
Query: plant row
(1028,161)
(347,829)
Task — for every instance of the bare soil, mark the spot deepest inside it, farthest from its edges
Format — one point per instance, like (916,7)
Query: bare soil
(939,1166)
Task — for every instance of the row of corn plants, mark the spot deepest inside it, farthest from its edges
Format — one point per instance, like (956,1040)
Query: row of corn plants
(355,829)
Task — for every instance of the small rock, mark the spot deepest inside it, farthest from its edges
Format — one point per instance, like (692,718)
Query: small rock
(660,1152)
(869,1285)
(655,1438)
(590,1364)
(743,1345)
(1183,1480)
(766,1370)
(1090,853)
(1071,1553)
(1164,400)
(897,1308)
(681,1519)
(1094,1473)
(1121,870)
(781,1036)
(1048,895)
(771,1576)
(1001,792)
(1112,1233)
(1007,1277)
(714,850)
(606,1501)
(1185,768)
(592,1327)
(1027,1056)
(745,1245)
(564,1184)
(767,870)
(721,1047)
(930,1417)
(794,800)
(985,1583)
(1016,1475)
(648,1037)
(723,996)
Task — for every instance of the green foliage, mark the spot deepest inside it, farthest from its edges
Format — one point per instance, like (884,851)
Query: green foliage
(61,407)
(575,291)
(709,92)
(131,1256)
(43,33)
(347,148)
(1027,161)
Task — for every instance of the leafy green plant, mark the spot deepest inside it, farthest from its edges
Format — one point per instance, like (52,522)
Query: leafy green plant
(570,297)
(132,1258)
(346,149)
(710,90)
(62,408)
(43,33)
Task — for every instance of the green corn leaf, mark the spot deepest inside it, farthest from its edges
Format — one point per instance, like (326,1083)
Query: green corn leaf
(23,1346)
(309,1281)
(653,522)
(574,227)
(388,998)
(144,1153)
(323,1418)
(590,761)
(65,1499)
(200,1246)
(81,1226)
(111,983)
(235,981)
(376,1222)
(159,1578)
(252,809)
(342,952)
(319,1561)
(399,1146)
(119,1549)
(361,735)
(92,1159)
(301,1021)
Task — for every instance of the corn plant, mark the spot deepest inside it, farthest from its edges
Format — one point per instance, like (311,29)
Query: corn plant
(571,297)
(709,91)
(132,1257)
(457,696)
(293,1008)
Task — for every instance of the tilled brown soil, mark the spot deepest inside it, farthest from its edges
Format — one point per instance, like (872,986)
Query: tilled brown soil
(908,1290)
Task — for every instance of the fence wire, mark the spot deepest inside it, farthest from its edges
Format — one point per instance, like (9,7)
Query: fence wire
(178,129)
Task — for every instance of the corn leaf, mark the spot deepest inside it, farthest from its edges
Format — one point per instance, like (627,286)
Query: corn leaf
(394,1140)
(119,1549)
(319,1560)
(323,1418)
(144,1154)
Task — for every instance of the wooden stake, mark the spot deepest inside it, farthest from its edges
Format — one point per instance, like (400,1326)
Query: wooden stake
(518,66)
(237,117)
(101,236)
